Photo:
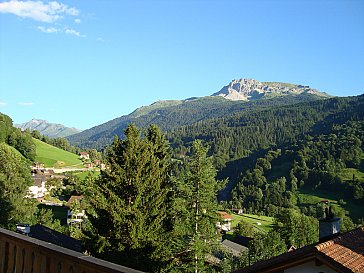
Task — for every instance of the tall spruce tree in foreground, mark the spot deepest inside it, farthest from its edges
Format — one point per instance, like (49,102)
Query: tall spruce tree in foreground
(127,206)
(195,212)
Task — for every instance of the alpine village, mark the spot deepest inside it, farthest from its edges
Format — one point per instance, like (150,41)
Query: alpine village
(257,177)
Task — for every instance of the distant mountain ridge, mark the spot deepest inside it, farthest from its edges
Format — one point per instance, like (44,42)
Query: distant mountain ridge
(171,114)
(250,89)
(46,128)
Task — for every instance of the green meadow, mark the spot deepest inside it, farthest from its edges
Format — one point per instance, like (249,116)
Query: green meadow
(84,174)
(266,223)
(311,197)
(54,157)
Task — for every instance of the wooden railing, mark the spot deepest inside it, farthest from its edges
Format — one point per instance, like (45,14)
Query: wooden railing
(23,254)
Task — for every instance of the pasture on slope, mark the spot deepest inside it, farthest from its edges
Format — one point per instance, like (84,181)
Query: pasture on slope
(265,223)
(54,157)
(260,223)
(313,197)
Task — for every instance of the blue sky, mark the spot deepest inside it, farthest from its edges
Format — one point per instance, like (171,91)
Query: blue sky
(82,63)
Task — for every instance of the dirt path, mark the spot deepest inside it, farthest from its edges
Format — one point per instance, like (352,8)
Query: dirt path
(67,169)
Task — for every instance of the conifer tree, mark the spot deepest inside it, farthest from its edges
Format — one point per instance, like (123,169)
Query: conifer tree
(127,206)
(266,246)
(195,209)
(296,228)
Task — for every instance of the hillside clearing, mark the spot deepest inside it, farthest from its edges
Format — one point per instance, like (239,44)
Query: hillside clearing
(54,157)
(260,223)
(83,174)
(312,198)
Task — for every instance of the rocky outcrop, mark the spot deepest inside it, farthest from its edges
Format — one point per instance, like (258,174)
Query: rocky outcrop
(250,89)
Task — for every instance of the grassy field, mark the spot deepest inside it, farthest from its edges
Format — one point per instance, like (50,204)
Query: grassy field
(266,223)
(83,175)
(312,198)
(54,157)
(348,173)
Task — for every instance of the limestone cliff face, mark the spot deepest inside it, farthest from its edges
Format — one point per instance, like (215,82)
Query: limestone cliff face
(250,89)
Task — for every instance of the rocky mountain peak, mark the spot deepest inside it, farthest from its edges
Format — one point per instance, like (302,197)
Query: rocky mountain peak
(48,129)
(37,121)
(250,89)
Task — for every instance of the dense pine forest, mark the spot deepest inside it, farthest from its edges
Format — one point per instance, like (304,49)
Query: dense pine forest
(237,136)
(169,115)
(267,155)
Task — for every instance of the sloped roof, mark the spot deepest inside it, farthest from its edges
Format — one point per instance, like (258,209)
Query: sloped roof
(347,250)
(225,215)
(234,247)
(242,240)
(38,180)
(73,198)
(344,253)
(46,234)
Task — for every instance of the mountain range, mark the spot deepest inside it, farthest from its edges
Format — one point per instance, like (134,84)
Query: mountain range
(239,95)
(46,128)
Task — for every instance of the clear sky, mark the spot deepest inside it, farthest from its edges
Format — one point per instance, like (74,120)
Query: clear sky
(85,62)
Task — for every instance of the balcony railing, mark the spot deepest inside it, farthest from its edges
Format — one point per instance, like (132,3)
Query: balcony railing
(23,254)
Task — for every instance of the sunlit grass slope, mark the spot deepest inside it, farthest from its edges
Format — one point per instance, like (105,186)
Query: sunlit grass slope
(265,222)
(310,197)
(54,157)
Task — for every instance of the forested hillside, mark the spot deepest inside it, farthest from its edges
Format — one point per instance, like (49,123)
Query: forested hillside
(272,132)
(172,114)
(249,132)
(331,164)
(270,155)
